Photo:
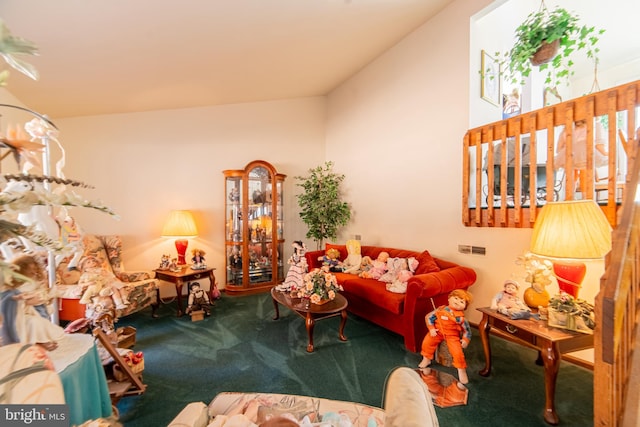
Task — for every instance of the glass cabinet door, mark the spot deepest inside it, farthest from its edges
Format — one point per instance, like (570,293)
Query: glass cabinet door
(254,227)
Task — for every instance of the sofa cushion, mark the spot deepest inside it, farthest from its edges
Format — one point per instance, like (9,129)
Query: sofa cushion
(371,290)
(426,263)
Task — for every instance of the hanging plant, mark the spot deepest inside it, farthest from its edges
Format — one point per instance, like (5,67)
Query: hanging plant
(555,33)
(322,209)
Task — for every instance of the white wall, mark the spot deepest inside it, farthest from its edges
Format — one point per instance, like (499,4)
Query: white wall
(143,165)
(396,130)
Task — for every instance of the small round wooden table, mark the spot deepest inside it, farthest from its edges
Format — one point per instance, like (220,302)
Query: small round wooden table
(312,312)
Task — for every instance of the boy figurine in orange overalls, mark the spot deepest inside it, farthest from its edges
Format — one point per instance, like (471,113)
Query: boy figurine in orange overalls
(447,323)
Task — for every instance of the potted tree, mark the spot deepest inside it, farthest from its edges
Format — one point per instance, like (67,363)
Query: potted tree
(548,38)
(323,211)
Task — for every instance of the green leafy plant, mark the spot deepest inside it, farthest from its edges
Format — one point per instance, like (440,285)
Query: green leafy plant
(545,26)
(322,209)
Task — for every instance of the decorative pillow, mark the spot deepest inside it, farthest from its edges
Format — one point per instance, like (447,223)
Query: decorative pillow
(426,264)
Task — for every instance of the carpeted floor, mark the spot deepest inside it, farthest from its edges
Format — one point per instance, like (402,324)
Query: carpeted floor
(240,348)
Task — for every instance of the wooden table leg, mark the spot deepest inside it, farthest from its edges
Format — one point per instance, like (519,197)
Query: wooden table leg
(275,306)
(179,284)
(310,322)
(212,284)
(343,322)
(483,328)
(551,358)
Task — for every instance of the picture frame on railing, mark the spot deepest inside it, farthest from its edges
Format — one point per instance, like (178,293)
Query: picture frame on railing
(490,77)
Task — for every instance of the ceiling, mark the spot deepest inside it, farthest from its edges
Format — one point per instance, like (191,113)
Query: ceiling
(118,56)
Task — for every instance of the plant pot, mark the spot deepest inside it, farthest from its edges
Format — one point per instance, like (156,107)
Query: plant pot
(322,302)
(545,53)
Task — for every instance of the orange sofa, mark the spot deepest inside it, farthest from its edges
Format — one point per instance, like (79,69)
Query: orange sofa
(403,314)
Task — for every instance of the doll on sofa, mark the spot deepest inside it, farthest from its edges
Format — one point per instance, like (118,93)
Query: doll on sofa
(399,273)
(447,323)
(331,259)
(378,267)
(353,261)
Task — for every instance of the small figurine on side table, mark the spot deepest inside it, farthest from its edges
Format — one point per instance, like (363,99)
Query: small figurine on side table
(198,260)
(173,265)
(198,299)
(164,262)
(447,323)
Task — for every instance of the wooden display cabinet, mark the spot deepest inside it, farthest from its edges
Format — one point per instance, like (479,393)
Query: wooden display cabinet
(253,228)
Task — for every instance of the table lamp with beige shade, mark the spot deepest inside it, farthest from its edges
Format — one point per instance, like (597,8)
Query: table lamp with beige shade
(181,225)
(568,232)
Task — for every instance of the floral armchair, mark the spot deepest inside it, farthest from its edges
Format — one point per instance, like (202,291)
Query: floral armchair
(141,287)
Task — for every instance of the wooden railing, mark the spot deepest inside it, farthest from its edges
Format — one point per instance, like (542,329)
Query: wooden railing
(511,196)
(499,197)
(616,361)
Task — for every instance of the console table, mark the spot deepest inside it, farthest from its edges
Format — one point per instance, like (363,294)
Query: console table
(184,275)
(550,342)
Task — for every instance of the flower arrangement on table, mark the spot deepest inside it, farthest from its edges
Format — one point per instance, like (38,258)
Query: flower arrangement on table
(319,285)
(539,274)
(567,312)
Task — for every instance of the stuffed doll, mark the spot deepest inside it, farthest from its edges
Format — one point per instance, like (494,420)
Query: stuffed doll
(198,260)
(365,265)
(298,267)
(378,267)
(95,278)
(331,259)
(173,265)
(394,266)
(164,262)
(352,262)
(447,323)
(198,299)
(404,269)
(507,301)
(23,306)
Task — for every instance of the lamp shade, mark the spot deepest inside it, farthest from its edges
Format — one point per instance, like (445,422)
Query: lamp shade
(180,224)
(574,229)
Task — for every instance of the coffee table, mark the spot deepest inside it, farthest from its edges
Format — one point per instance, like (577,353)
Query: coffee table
(312,312)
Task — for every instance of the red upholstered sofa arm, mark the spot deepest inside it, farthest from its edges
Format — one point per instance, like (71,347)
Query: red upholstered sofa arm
(427,291)
(312,259)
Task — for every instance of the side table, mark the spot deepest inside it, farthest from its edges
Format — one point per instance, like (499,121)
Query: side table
(550,342)
(186,274)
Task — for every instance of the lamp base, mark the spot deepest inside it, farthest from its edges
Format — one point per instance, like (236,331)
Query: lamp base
(570,276)
(181,247)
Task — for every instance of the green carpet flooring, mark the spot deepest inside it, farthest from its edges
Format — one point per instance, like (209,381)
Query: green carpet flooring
(241,348)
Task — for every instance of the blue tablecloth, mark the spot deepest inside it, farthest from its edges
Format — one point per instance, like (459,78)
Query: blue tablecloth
(83,378)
